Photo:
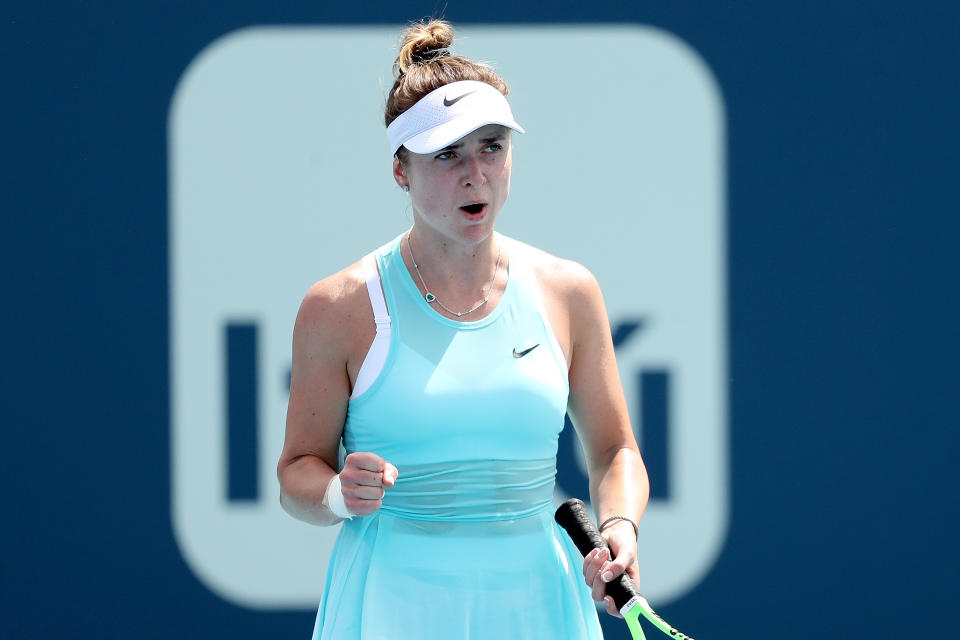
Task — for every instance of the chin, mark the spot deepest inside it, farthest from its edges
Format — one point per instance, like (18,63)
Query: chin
(477,233)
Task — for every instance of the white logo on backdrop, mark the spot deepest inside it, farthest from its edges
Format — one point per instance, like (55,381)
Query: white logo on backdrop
(280,175)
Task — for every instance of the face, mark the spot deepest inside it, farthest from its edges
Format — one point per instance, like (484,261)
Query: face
(457,192)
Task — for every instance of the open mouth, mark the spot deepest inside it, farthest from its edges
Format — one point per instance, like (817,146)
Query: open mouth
(477,207)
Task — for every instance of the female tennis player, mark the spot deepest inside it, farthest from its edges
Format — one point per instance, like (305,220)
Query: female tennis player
(445,361)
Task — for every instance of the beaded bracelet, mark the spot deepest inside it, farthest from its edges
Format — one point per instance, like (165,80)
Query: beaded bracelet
(612,519)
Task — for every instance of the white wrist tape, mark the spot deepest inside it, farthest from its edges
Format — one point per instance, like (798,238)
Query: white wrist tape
(333,499)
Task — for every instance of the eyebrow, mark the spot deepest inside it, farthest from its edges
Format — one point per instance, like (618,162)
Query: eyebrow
(454,147)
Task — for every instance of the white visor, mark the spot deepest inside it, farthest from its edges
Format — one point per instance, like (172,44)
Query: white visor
(445,115)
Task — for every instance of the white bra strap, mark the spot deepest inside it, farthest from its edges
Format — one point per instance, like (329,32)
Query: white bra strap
(376,357)
(375,291)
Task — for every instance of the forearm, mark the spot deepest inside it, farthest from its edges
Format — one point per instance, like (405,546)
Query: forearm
(619,485)
(303,483)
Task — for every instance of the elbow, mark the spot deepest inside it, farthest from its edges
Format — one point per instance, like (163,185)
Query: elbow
(625,452)
(285,503)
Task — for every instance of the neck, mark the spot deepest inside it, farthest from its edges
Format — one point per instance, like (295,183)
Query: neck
(457,280)
(443,261)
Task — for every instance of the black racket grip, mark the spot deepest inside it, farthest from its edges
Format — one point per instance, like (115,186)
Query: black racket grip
(573,517)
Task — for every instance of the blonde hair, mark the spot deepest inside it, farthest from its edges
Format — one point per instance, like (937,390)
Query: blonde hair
(425,63)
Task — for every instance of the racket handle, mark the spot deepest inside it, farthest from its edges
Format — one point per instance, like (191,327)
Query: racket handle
(573,517)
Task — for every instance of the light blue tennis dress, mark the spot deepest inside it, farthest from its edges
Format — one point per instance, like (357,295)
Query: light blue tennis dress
(465,545)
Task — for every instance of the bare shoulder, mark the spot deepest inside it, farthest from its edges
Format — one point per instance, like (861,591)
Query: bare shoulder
(332,311)
(333,296)
(566,279)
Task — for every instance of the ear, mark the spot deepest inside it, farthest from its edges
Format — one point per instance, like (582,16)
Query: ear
(399,175)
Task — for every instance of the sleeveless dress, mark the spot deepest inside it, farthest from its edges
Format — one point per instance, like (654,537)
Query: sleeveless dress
(465,545)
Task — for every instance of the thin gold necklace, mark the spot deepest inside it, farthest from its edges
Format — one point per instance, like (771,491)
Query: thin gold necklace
(430,298)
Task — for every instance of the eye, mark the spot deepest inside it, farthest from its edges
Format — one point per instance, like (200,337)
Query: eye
(446,155)
(493,148)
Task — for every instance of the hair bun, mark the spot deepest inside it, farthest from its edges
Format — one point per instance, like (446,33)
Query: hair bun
(422,43)
(425,64)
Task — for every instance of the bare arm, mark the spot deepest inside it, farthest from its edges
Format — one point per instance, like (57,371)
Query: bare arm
(618,477)
(334,324)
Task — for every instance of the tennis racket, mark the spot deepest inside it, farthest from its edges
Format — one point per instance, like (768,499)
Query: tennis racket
(573,517)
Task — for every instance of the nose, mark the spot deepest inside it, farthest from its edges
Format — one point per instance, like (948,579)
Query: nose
(473,173)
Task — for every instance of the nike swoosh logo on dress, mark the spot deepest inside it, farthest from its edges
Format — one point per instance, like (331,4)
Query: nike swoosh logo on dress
(449,103)
(520,354)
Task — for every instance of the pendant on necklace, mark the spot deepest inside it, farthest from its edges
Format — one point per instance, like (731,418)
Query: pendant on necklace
(430,297)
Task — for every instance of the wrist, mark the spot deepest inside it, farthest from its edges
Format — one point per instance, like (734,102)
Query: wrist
(613,521)
(333,499)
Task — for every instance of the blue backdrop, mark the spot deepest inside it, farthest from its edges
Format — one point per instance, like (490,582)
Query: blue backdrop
(843,203)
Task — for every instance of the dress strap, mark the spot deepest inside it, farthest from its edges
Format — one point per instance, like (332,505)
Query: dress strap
(522,268)
(375,291)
